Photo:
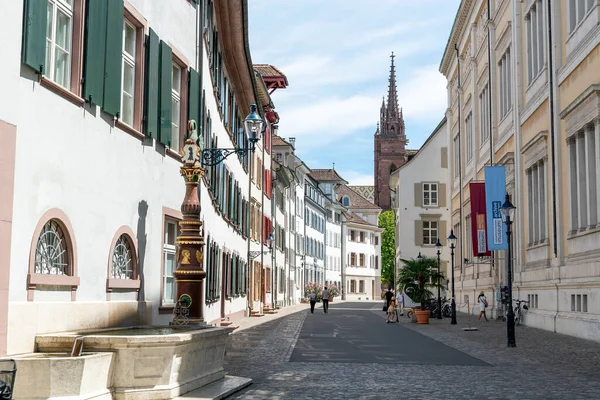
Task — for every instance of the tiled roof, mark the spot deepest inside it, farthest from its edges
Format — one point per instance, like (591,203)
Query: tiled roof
(411,152)
(356,200)
(368,192)
(326,175)
(278,141)
(269,71)
(351,217)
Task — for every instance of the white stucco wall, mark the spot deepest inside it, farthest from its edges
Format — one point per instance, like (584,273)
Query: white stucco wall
(371,275)
(424,167)
(72,158)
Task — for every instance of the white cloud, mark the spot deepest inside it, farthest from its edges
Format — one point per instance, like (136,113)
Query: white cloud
(424,95)
(356,178)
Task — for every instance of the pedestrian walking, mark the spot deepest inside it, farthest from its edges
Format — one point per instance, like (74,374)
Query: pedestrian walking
(325,300)
(313,301)
(482,306)
(400,302)
(388,297)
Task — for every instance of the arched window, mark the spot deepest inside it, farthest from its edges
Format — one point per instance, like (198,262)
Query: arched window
(123,268)
(346,201)
(53,256)
(52,253)
(123,259)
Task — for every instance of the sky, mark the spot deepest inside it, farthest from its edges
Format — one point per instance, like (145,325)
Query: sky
(336,56)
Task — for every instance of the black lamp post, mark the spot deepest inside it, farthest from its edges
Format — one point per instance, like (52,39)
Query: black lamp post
(507,210)
(419,256)
(452,241)
(438,245)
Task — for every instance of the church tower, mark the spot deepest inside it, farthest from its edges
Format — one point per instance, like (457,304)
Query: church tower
(390,142)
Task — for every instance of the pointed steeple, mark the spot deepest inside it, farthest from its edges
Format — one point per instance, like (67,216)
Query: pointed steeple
(392,101)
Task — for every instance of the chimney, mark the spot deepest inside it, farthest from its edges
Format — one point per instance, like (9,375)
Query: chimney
(293,142)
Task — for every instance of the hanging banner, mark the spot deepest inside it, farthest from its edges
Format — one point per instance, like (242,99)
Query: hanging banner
(478,223)
(495,193)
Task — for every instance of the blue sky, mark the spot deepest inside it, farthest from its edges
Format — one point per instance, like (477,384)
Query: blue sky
(336,56)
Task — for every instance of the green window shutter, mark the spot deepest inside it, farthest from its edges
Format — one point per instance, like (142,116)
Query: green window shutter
(194,98)
(35,19)
(113,58)
(151,85)
(95,51)
(165,93)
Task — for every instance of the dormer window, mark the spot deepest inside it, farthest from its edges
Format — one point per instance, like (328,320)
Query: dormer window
(346,201)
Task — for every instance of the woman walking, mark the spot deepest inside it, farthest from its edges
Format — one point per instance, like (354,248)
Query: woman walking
(482,306)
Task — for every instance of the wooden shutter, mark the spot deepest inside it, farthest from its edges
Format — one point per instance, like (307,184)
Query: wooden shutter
(441,195)
(95,51)
(194,99)
(151,85)
(418,195)
(419,233)
(165,93)
(442,233)
(35,19)
(113,59)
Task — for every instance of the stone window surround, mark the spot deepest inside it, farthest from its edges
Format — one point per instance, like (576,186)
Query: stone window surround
(579,117)
(184,65)
(72,280)
(577,35)
(124,284)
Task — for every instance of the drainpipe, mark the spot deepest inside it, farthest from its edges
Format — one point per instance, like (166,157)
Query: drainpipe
(343,258)
(460,185)
(552,131)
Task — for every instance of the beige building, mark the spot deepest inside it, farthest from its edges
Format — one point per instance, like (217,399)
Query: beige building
(536,110)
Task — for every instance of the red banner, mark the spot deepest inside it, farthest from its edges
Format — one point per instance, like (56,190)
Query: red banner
(478,220)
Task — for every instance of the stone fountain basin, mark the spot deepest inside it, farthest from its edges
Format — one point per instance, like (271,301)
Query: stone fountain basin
(58,375)
(152,362)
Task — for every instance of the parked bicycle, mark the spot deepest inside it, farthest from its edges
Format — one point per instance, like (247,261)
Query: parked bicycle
(519,311)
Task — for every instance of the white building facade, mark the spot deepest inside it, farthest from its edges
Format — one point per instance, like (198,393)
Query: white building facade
(91,243)
(421,201)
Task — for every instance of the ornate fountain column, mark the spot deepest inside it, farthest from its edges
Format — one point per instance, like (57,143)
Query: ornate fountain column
(190,273)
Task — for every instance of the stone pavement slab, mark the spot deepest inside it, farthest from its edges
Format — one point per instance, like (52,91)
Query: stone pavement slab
(543,366)
(218,390)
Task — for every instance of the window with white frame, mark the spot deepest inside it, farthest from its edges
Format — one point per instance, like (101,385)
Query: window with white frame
(170,263)
(430,194)
(361,286)
(128,73)
(484,107)
(536,191)
(469,136)
(504,82)
(430,232)
(175,106)
(534,21)
(577,11)
(456,149)
(59,33)
(582,178)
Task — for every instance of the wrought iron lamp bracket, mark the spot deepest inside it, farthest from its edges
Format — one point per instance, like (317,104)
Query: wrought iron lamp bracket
(254,254)
(215,156)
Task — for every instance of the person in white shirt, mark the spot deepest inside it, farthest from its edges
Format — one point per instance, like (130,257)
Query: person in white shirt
(482,306)
(325,300)
(400,303)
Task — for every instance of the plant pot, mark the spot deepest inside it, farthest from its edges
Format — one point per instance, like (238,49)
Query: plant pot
(422,316)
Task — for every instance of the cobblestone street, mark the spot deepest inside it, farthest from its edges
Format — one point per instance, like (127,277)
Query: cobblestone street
(544,365)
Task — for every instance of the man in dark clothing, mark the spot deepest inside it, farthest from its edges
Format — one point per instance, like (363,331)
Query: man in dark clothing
(325,300)
(313,300)
(388,297)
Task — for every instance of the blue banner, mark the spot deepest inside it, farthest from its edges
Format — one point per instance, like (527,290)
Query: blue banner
(495,194)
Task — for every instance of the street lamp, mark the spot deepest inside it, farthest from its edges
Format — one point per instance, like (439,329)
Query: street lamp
(507,211)
(193,170)
(452,241)
(254,254)
(438,246)
(419,256)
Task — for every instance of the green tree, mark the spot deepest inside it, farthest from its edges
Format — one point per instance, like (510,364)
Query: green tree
(388,247)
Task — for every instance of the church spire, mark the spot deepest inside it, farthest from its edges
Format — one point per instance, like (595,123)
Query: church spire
(392,102)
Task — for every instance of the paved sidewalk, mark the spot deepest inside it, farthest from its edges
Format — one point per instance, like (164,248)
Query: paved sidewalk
(544,365)
(250,322)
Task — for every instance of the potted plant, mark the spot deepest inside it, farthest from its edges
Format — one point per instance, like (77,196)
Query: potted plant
(416,278)
(313,287)
(333,292)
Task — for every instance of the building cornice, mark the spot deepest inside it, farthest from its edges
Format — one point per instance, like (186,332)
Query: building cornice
(458,29)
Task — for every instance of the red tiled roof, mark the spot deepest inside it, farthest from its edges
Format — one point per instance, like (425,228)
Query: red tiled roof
(326,175)
(279,141)
(351,217)
(356,200)
(269,71)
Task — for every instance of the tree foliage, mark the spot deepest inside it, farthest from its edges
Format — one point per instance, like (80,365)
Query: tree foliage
(388,247)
